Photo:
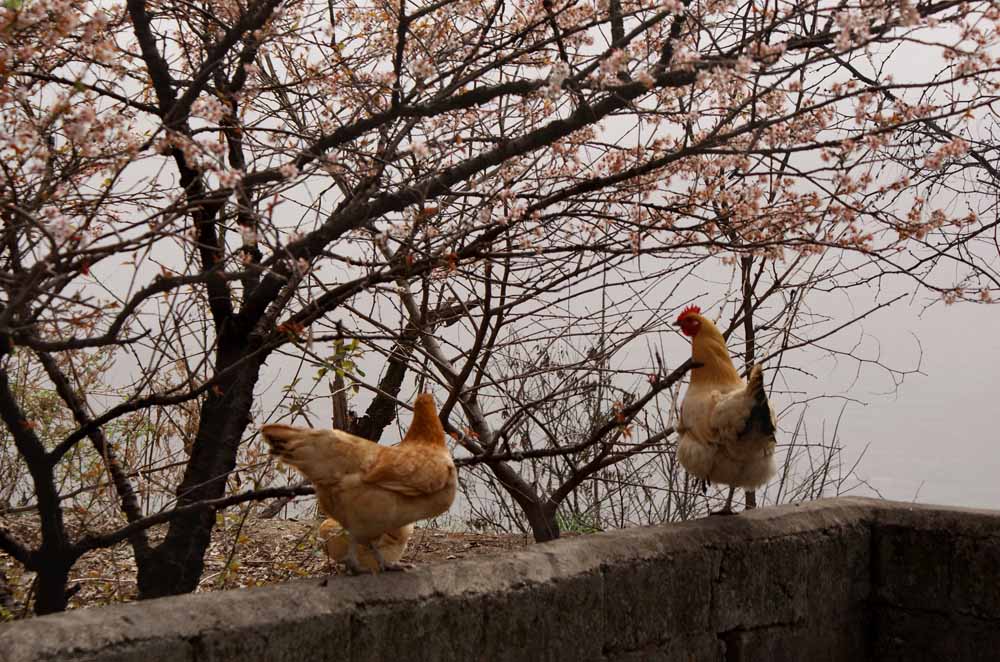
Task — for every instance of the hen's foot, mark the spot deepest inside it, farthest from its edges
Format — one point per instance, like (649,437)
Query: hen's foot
(385,566)
(723,511)
(354,568)
(351,562)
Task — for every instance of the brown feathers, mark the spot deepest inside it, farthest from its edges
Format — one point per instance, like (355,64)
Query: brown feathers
(368,488)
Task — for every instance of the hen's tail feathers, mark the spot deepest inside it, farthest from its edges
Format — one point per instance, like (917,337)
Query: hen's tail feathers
(426,425)
(277,437)
(297,448)
(760,419)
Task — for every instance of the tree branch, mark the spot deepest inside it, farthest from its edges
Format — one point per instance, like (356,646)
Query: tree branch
(90,541)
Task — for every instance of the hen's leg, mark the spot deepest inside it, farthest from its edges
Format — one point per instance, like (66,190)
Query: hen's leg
(351,560)
(385,566)
(728,508)
(751,499)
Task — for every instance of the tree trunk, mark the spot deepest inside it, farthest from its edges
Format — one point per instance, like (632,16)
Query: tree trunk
(542,519)
(52,561)
(51,595)
(175,566)
(539,510)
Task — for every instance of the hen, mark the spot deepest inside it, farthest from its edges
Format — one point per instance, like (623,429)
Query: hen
(726,426)
(337,541)
(368,488)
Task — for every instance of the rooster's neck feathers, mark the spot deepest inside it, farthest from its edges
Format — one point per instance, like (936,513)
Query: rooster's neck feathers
(426,426)
(709,349)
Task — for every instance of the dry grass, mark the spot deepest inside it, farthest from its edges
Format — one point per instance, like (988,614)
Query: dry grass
(254,552)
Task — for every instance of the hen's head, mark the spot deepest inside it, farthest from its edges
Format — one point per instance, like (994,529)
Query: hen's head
(690,321)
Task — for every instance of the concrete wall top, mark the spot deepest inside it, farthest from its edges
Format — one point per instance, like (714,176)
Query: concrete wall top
(790,582)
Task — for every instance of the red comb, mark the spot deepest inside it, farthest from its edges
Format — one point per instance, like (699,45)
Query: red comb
(690,310)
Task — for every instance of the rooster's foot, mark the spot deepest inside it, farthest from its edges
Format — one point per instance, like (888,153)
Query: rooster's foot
(728,508)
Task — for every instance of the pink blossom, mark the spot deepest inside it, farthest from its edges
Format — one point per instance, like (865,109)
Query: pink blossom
(58,225)
(908,14)
(249,235)
(613,63)
(643,76)
(230,178)
(420,150)
(951,150)
(209,108)
(78,127)
(557,76)
(422,69)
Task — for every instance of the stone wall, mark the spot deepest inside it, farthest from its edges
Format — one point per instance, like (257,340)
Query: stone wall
(936,584)
(839,579)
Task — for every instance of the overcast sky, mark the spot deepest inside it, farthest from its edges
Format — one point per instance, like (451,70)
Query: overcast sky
(933,440)
(937,440)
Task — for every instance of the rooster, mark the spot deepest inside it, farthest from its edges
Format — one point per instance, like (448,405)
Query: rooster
(726,426)
(372,489)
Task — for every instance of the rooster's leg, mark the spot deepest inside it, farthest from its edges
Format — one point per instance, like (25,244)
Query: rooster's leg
(728,508)
(385,566)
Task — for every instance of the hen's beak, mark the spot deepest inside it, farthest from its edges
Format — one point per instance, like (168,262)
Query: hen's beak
(677,323)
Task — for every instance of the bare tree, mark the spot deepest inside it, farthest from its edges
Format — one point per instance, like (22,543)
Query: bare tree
(200,199)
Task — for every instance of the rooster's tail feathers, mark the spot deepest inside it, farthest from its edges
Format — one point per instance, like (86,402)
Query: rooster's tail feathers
(755,384)
(761,418)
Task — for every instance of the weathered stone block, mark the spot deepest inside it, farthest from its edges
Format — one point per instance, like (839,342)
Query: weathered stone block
(436,629)
(762,583)
(913,567)
(653,600)
(557,620)
(687,648)
(120,632)
(315,639)
(976,577)
(829,641)
(848,579)
(916,636)
(149,651)
(837,573)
